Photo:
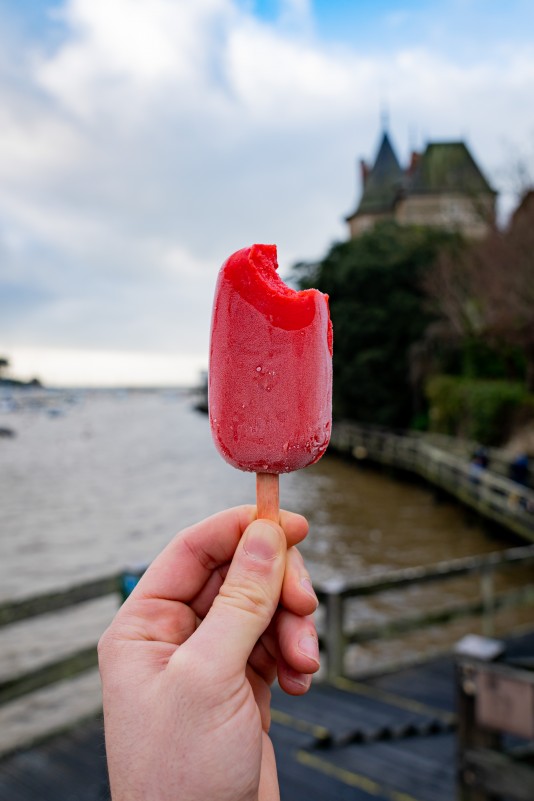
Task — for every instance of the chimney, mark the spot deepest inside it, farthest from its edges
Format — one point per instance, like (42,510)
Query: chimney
(414,161)
(364,172)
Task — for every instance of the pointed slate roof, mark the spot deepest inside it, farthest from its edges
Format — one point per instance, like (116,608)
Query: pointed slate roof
(447,167)
(384,181)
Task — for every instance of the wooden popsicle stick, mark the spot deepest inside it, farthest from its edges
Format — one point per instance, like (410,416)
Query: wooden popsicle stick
(268,496)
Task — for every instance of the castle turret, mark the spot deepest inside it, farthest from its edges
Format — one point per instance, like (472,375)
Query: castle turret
(442,187)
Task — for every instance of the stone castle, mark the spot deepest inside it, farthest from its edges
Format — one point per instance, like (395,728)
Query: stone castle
(442,186)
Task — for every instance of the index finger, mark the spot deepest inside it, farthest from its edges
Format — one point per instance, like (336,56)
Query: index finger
(184,566)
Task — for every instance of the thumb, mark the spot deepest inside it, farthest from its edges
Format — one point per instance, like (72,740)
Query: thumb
(247,600)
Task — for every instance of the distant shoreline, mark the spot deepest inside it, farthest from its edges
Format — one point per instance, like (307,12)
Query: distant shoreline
(15,382)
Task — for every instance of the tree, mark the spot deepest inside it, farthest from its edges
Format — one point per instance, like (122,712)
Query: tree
(460,310)
(4,364)
(509,290)
(486,293)
(377,306)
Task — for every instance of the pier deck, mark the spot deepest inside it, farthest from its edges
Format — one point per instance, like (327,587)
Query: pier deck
(389,738)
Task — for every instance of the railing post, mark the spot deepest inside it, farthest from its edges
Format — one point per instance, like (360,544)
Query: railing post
(470,735)
(488,600)
(334,634)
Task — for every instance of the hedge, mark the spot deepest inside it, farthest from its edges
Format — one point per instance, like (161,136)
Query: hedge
(482,410)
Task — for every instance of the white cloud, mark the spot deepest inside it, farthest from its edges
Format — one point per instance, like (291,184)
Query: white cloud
(296,15)
(86,368)
(281,82)
(120,46)
(160,135)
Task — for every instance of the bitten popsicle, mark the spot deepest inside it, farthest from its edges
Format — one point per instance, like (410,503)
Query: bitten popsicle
(270,373)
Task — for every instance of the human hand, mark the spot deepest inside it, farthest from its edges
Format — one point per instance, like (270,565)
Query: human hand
(188,661)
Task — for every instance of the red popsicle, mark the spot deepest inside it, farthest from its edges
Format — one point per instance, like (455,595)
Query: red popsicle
(270,376)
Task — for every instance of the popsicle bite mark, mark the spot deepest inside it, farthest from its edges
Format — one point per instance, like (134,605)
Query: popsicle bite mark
(330,331)
(252,273)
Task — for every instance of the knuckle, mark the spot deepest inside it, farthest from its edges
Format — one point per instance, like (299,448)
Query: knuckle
(107,647)
(250,597)
(103,646)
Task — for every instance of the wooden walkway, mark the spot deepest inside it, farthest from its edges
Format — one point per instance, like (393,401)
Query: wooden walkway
(446,463)
(389,738)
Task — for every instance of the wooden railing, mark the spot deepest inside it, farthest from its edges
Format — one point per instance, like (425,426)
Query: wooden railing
(492,495)
(13,612)
(26,608)
(336,638)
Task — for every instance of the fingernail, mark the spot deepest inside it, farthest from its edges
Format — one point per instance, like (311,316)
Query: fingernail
(309,646)
(308,587)
(262,541)
(302,679)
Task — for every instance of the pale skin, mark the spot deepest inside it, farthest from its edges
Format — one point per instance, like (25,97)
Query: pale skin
(189,659)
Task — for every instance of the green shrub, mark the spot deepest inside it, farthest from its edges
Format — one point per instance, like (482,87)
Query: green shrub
(379,312)
(482,410)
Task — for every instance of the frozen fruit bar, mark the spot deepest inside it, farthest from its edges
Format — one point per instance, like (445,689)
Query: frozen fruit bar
(270,375)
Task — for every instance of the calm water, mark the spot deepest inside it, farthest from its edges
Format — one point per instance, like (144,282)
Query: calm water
(94,481)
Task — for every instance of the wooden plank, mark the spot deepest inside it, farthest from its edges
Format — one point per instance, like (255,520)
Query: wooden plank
(510,599)
(445,570)
(15,611)
(470,736)
(50,711)
(360,785)
(499,669)
(430,685)
(316,733)
(302,782)
(497,775)
(334,716)
(424,766)
(504,704)
(405,700)
(68,766)
(334,625)
(66,668)
(393,770)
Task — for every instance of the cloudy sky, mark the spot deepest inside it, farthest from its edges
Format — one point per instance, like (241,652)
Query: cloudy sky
(143,141)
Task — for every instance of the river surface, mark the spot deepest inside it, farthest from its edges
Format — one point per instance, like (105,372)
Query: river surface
(93,481)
